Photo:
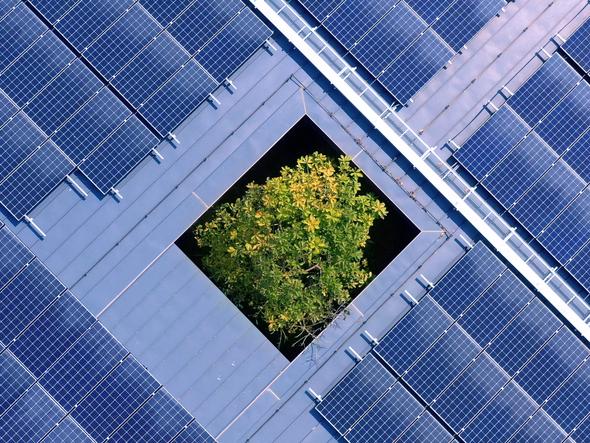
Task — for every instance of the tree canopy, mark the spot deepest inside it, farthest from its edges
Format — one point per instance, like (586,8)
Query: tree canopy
(289,251)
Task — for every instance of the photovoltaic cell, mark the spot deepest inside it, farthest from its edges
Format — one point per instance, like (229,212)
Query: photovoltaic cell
(194,434)
(15,380)
(540,428)
(202,20)
(577,157)
(426,430)
(579,268)
(387,419)
(115,399)
(540,93)
(229,49)
(175,101)
(18,30)
(413,335)
(13,255)
(430,9)
(415,66)
(355,393)
(7,108)
(582,433)
(578,46)
(165,12)
(395,31)
(52,10)
(320,9)
(492,141)
(76,373)
(118,155)
(6,5)
(159,420)
(67,432)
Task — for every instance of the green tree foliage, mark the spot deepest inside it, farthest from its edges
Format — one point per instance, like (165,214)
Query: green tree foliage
(290,250)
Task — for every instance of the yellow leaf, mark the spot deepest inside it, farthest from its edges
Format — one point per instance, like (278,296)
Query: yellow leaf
(312,223)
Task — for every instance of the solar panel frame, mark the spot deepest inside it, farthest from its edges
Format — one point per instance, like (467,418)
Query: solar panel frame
(6,6)
(7,108)
(14,256)
(321,9)
(429,10)
(539,428)
(195,433)
(576,157)
(425,430)
(52,10)
(578,266)
(582,432)
(578,46)
(67,431)
(15,380)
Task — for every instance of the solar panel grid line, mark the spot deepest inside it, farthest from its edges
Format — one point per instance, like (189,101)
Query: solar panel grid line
(540,426)
(4,69)
(194,433)
(17,380)
(577,265)
(5,12)
(582,431)
(431,11)
(577,46)
(68,431)
(14,256)
(52,11)
(321,10)
(425,429)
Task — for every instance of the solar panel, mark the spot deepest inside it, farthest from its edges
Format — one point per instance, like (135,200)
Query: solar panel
(395,31)
(13,256)
(115,399)
(429,10)
(15,380)
(63,96)
(7,108)
(496,307)
(501,417)
(552,365)
(570,118)
(577,156)
(519,170)
(34,180)
(355,393)
(6,5)
(194,434)
(437,368)
(546,87)
(67,432)
(52,334)
(320,9)
(467,279)
(159,420)
(547,197)
(578,46)
(120,43)
(78,371)
(582,433)
(539,428)
(413,335)
(178,98)
(150,69)
(524,336)
(231,47)
(426,430)
(118,155)
(578,267)
(91,125)
(470,392)
(463,20)
(387,419)
(415,66)
(18,30)
(30,418)
(52,10)
(492,141)
(165,12)
(202,20)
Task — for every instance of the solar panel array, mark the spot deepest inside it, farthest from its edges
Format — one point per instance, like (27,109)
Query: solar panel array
(63,376)
(532,156)
(479,359)
(402,44)
(95,85)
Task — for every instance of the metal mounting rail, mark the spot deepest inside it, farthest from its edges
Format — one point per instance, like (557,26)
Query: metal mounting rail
(437,171)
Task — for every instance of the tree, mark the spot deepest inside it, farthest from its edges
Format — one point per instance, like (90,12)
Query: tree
(290,250)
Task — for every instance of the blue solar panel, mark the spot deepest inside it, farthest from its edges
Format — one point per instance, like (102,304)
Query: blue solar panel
(442,363)
(395,31)
(430,9)
(570,118)
(570,231)
(320,9)
(202,20)
(53,10)
(547,197)
(491,142)
(569,405)
(67,432)
(497,306)
(578,46)
(43,61)
(150,69)
(426,430)
(467,279)
(91,125)
(115,399)
(6,6)
(120,43)
(19,138)
(552,365)
(24,298)
(13,255)
(89,18)
(463,20)
(34,180)
(18,31)
(355,393)
(90,359)
(194,434)
(413,335)
(540,428)
(414,67)
(233,45)
(52,334)
(7,108)
(470,392)
(387,419)
(577,157)
(519,170)
(118,155)
(33,415)
(63,96)
(582,433)
(159,420)
(165,12)
(15,380)
(579,268)
(544,89)
(501,417)
(524,336)
(353,19)
(174,102)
